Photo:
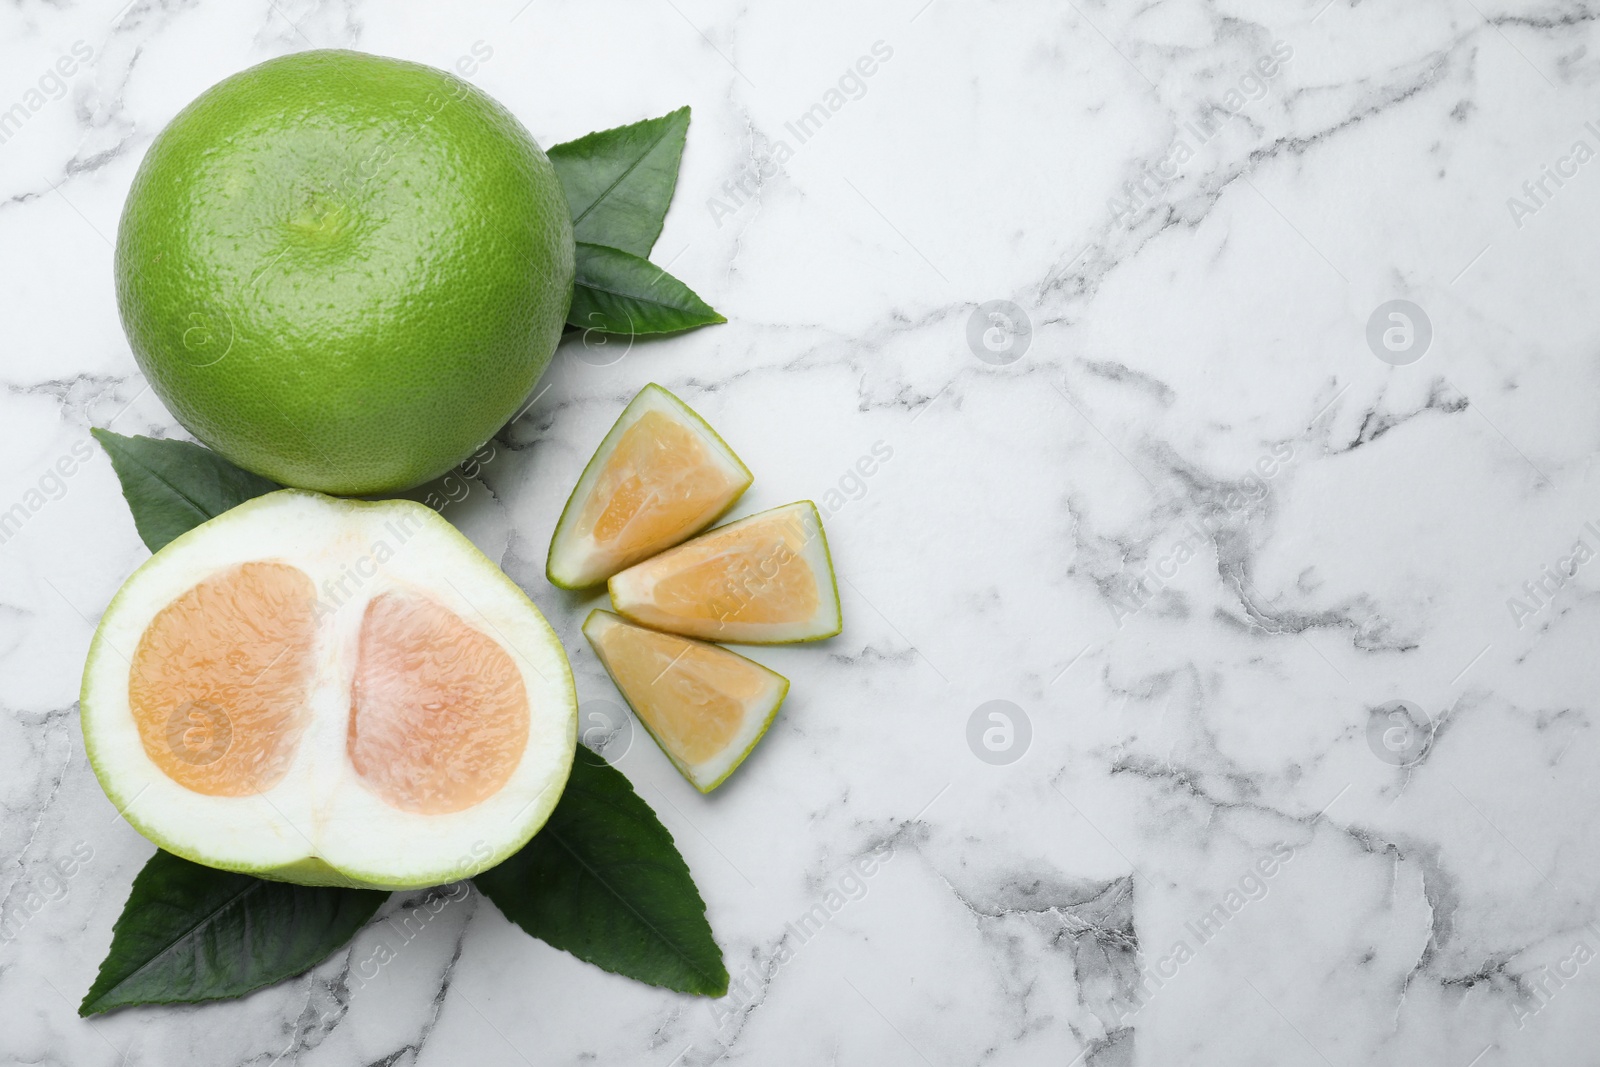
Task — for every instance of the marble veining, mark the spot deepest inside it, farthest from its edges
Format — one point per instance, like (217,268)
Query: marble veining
(1217,683)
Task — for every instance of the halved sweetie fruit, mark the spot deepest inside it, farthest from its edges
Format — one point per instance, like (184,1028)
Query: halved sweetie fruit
(705,706)
(330,692)
(660,476)
(764,580)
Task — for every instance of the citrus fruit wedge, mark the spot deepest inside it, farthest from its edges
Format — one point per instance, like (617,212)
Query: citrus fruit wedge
(764,580)
(660,476)
(330,692)
(705,706)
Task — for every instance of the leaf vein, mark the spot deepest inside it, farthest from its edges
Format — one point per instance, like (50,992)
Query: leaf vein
(608,190)
(157,475)
(654,301)
(175,942)
(669,942)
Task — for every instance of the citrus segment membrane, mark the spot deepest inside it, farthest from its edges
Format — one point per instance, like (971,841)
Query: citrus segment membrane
(766,579)
(438,713)
(661,475)
(219,680)
(329,692)
(653,488)
(704,705)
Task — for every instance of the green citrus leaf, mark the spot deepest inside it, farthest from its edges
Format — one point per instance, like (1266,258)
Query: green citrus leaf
(173,486)
(190,933)
(617,292)
(604,882)
(619,182)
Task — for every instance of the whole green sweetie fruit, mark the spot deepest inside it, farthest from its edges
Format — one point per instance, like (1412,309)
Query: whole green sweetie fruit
(344,272)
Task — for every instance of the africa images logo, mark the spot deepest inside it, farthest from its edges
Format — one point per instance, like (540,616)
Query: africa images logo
(767,159)
(51,85)
(1157,175)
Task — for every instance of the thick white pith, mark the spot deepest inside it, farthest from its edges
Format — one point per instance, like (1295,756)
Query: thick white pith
(320,822)
(576,560)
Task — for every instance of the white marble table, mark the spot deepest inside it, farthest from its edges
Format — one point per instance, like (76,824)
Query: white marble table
(1169,504)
